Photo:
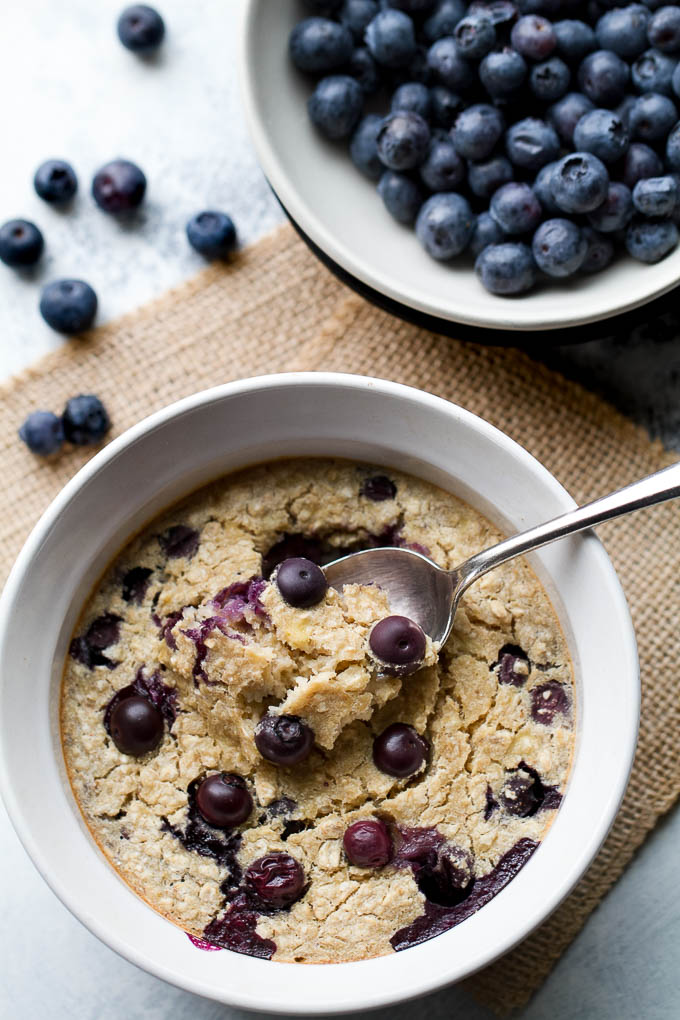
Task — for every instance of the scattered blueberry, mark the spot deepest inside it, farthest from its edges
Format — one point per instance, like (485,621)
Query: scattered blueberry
(223,800)
(85,420)
(136,726)
(502,72)
(507,268)
(624,30)
(212,234)
(119,186)
(367,843)
(335,106)
(68,306)
(600,251)
(319,45)
(663,29)
(401,196)
(301,583)
(55,181)
(616,211)
(580,182)
(516,208)
(603,133)
(21,243)
(559,247)
(391,39)
(534,37)
(43,433)
(531,143)
(603,77)
(475,36)
(283,739)
(652,117)
(403,140)
(400,751)
(477,131)
(575,39)
(398,643)
(653,72)
(277,880)
(141,28)
(444,225)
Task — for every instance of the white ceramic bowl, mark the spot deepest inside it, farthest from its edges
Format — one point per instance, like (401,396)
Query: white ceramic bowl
(165,457)
(340,211)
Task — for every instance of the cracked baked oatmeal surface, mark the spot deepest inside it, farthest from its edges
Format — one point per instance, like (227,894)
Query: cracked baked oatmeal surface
(189,622)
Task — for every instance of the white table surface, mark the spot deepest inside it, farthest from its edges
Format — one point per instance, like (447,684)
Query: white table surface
(70,90)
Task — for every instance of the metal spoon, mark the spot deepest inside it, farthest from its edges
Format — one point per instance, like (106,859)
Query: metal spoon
(419,589)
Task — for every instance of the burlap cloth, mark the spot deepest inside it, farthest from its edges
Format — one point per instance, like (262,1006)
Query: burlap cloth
(276,309)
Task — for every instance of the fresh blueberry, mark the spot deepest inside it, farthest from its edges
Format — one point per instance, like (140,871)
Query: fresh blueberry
(501,12)
(414,96)
(223,800)
(119,186)
(319,45)
(141,28)
(534,37)
(623,30)
(136,726)
(446,106)
(401,196)
(487,231)
(516,208)
(212,234)
(653,72)
(444,225)
(663,29)
(335,106)
(550,79)
(43,433)
(69,306)
(559,247)
(603,77)
(507,268)
(21,243)
(543,189)
(673,148)
(277,880)
(502,73)
(367,843)
(616,211)
(443,169)
(652,117)
(55,181)
(283,739)
(444,19)
(565,114)
(675,80)
(449,67)
(363,148)
(477,131)
(403,140)
(356,14)
(531,143)
(624,110)
(600,252)
(391,38)
(484,178)
(475,36)
(301,583)
(602,133)
(580,182)
(655,196)
(640,161)
(400,750)
(85,420)
(363,68)
(398,644)
(575,39)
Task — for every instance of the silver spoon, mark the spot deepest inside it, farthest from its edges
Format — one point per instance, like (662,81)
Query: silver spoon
(419,589)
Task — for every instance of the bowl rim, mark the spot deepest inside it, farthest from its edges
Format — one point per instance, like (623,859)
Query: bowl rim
(426,981)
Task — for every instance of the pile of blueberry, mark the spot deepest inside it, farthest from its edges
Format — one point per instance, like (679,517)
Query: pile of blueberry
(538,135)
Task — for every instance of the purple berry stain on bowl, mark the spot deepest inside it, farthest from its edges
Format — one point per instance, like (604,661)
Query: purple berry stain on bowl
(207,947)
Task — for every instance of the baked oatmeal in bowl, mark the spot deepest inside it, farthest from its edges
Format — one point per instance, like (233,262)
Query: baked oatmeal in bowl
(293,774)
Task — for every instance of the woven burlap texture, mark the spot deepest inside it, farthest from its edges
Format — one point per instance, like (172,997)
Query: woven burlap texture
(276,309)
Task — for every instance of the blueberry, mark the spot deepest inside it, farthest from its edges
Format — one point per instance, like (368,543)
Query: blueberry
(398,644)
(363,148)
(135,584)
(88,649)
(401,196)
(444,225)
(663,29)
(55,181)
(444,19)
(446,105)
(403,140)
(400,750)
(616,211)
(565,114)
(179,542)
(550,79)
(475,36)
(580,182)
(223,800)
(391,39)
(378,488)
(136,726)
(513,666)
(516,208)
(487,231)
(43,433)
(655,196)
(575,39)
(550,699)
(443,169)
(543,189)
(640,161)
(277,880)
(602,133)
(367,843)
(522,794)
(449,879)
(531,143)
(319,45)
(119,186)
(335,106)
(413,96)
(140,28)
(653,72)
(212,234)
(501,73)
(363,68)
(603,77)
(449,67)
(624,110)
(559,247)
(652,117)
(301,583)
(477,131)
(21,243)
(534,37)
(85,420)
(624,30)
(506,268)
(356,14)
(68,306)
(673,148)
(283,739)
(485,178)
(600,252)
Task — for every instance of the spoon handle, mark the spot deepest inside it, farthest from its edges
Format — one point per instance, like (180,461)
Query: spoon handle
(655,488)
